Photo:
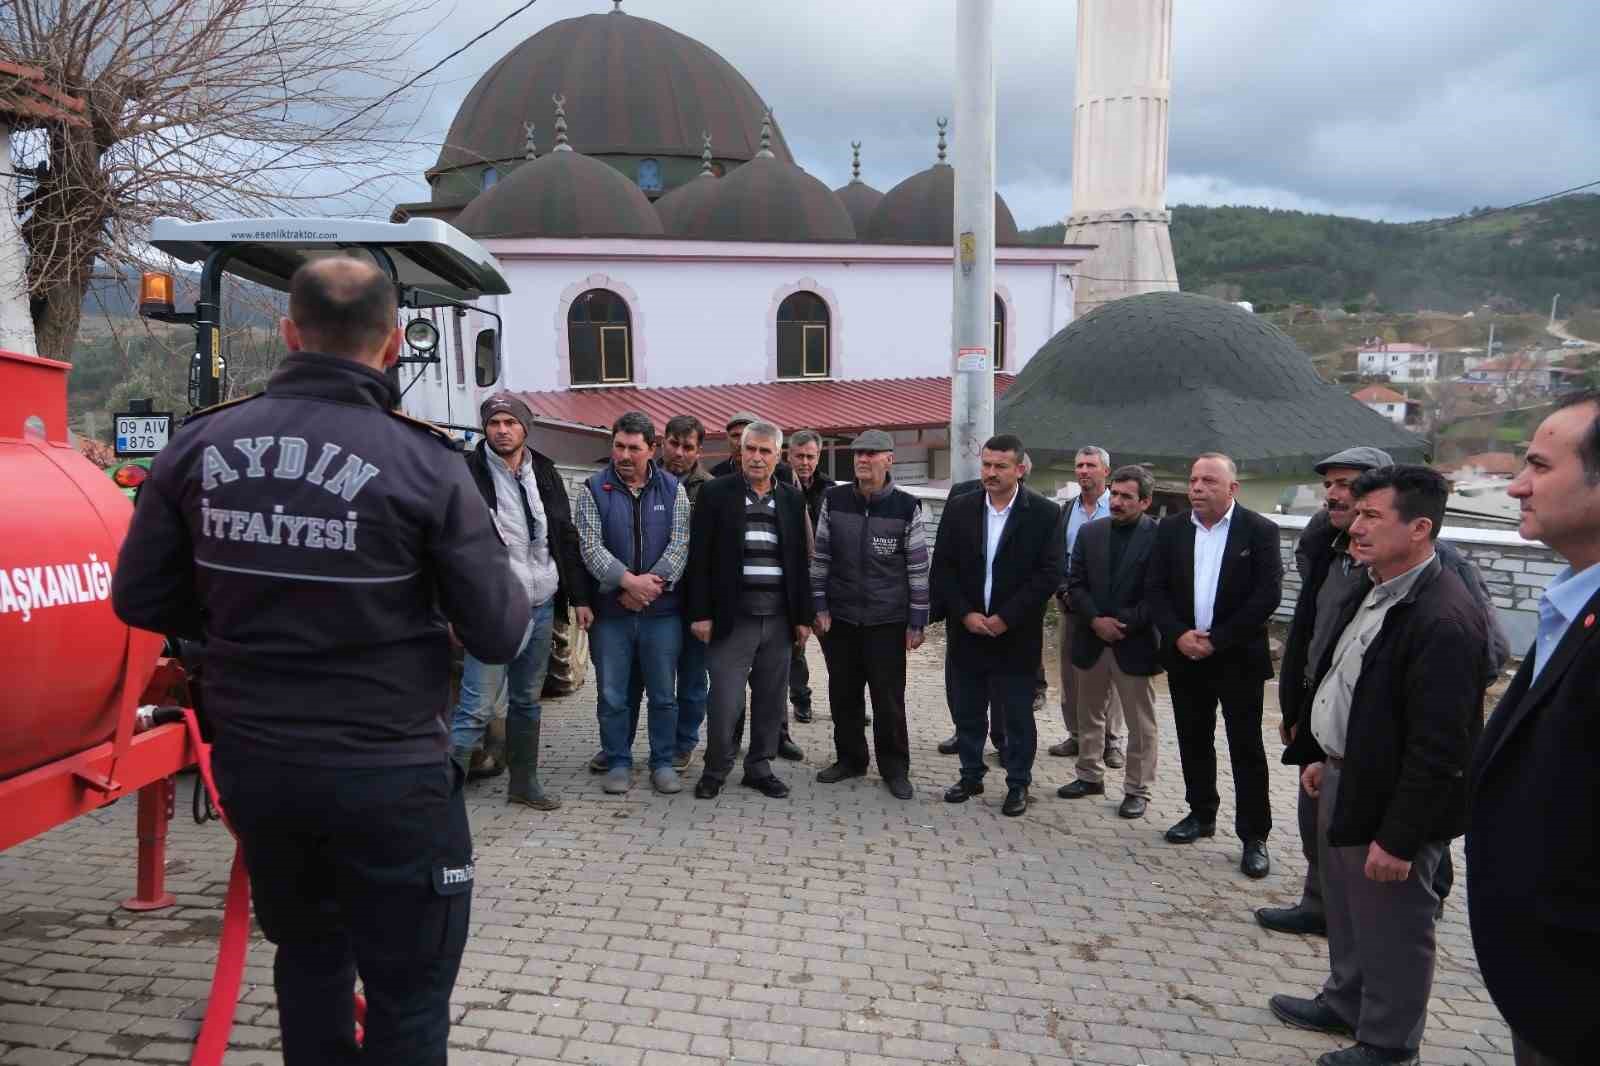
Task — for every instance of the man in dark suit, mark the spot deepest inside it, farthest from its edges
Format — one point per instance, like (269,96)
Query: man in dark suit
(749,601)
(1115,647)
(1214,579)
(996,561)
(1533,840)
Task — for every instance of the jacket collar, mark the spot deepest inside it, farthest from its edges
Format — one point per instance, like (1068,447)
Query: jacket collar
(332,377)
(881,494)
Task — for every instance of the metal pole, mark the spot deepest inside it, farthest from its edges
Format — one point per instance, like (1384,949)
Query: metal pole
(972,326)
(1553,300)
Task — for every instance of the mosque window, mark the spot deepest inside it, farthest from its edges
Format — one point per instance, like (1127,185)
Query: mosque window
(803,341)
(600,339)
(649,175)
(489,178)
(999,333)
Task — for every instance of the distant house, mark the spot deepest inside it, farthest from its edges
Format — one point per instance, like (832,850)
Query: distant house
(1519,369)
(1485,465)
(1401,362)
(1386,402)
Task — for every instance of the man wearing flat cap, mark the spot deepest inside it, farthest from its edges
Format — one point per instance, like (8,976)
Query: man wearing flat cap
(869,582)
(1330,578)
(528,505)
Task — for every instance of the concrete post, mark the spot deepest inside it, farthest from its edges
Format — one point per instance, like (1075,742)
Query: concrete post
(16,321)
(972,326)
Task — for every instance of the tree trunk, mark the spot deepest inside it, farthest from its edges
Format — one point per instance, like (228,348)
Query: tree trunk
(56,313)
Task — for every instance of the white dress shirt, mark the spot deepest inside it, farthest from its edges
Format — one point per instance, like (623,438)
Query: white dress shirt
(994,524)
(1209,547)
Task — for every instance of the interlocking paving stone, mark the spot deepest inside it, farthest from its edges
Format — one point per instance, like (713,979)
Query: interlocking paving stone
(839,926)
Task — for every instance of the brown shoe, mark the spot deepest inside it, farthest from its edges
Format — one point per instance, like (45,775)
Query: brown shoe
(1115,759)
(1065,749)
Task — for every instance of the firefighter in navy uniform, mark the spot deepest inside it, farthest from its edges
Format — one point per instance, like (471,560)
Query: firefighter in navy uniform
(319,543)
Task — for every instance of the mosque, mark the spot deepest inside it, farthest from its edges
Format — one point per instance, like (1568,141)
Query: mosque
(667,253)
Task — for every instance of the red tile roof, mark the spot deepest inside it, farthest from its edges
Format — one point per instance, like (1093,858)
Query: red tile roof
(1378,394)
(27,99)
(832,407)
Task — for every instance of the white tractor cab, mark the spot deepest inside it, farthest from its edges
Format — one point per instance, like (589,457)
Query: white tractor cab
(438,271)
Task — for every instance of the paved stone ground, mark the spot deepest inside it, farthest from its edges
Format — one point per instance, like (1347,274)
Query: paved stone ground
(838,926)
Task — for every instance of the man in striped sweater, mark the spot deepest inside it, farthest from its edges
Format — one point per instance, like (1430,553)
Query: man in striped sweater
(869,583)
(749,602)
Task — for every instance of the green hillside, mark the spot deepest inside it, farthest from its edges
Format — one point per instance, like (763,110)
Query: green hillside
(1512,261)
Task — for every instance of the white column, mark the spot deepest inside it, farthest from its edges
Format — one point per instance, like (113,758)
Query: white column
(16,323)
(972,380)
(1119,149)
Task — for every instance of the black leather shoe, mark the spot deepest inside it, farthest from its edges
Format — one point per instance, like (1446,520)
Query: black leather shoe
(1296,920)
(948,747)
(1368,1055)
(962,791)
(1115,759)
(839,772)
(768,786)
(1132,807)
(599,764)
(802,714)
(900,788)
(1191,829)
(788,749)
(1255,862)
(1312,1014)
(707,788)
(1016,802)
(1081,788)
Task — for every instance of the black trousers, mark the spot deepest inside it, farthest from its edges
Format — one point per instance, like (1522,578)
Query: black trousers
(1197,689)
(863,659)
(997,722)
(353,871)
(800,677)
(978,692)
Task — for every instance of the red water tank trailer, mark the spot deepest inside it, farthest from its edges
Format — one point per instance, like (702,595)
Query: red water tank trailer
(74,674)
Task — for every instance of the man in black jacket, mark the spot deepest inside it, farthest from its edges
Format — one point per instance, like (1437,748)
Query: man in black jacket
(1115,647)
(748,602)
(318,543)
(805,453)
(1214,579)
(533,518)
(1533,844)
(1386,739)
(996,560)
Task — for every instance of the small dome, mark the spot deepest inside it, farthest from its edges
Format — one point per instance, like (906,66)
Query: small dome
(563,194)
(766,199)
(860,200)
(643,90)
(686,202)
(921,210)
(1164,376)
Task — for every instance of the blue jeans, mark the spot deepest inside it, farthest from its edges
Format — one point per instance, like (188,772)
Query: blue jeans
(614,643)
(694,686)
(481,683)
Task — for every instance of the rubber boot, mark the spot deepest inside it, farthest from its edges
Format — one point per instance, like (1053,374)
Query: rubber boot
(522,757)
(489,760)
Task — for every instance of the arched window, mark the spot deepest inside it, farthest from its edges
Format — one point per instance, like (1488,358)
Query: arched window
(600,339)
(488,179)
(999,333)
(649,175)
(803,343)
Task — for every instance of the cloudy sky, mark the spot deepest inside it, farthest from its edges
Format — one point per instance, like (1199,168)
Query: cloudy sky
(1374,108)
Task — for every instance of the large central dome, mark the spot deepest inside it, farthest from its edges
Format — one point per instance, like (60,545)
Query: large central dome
(641,89)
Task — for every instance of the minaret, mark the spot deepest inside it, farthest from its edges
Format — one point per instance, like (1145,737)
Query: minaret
(1119,149)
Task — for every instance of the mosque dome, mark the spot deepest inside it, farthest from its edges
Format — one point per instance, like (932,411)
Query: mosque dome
(688,200)
(646,94)
(859,198)
(766,199)
(1161,377)
(562,194)
(921,209)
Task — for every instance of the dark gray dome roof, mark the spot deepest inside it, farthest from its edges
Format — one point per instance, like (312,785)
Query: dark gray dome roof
(563,194)
(641,88)
(686,202)
(1164,376)
(860,200)
(921,210)
(765,199)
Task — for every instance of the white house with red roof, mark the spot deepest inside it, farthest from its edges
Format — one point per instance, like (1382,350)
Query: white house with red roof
(1401,362)
(1387,402)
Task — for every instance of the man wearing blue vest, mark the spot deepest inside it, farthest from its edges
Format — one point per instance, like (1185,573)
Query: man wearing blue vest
(633,531)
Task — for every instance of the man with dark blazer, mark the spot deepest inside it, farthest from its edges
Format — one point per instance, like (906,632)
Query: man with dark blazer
(1214,579)
(1533,839)
(749,601)
(1115,647)
(996,560)
(1385,739)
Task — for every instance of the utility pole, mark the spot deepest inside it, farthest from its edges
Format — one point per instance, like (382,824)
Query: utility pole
(1553,300)
(972,325)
